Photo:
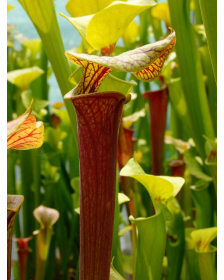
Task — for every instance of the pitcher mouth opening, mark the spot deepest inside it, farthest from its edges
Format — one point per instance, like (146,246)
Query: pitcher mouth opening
(70,96)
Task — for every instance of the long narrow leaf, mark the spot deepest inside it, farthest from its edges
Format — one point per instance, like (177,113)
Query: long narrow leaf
(209,16)
(191,73)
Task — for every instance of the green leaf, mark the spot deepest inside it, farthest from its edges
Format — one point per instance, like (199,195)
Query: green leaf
(207,264)
(118,15)
(189,63)
(128,120)
(178,101)
(176,240)
(203,238)
(180,145)
(160,188)
(203,203)
(210,84)
(34,46)
(195,168)
(54,136)
(131,33)
(122,198)
(114,275)
(50,173)
(112,83)
(38,105)
(151,246)
(167,69)
(201,242)
(23,77)
(191,256)
(161,11)
(209,16)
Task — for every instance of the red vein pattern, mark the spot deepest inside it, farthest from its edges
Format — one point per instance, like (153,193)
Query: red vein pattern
(154,70)
(93,75)
(145,63)
(98,117)
(29,135)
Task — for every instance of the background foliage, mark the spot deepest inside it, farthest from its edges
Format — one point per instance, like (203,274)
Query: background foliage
(50,175)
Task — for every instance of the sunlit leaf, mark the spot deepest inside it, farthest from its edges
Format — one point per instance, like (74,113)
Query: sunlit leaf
(112,83)
(33,45)
(161,11)
(200,29)
(114,275)
(203,237)
(128,120)
(24,132)
(180,145)
(144,62)
(125,229)
(100,36)
(122,198)
(38,105)
(131,33)
(206,252)
(80,24)
(9,7)
(23,77)
(160,188)
(79,8)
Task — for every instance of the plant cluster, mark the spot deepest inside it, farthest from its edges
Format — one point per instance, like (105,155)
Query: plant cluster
(123,184)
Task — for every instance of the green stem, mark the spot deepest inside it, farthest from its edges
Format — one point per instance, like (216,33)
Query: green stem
(36,177)
(203,203)
(209,16)
(116,229)
(26,165)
